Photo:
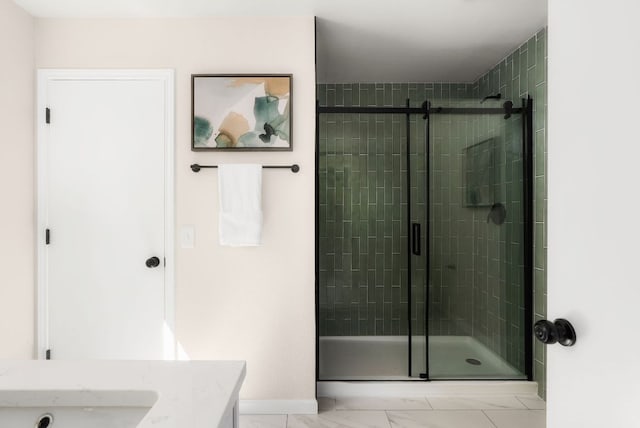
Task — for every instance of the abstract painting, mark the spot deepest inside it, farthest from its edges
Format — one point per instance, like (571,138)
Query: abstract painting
(241,112)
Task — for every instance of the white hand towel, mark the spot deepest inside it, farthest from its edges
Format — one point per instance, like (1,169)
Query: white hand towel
(240,192)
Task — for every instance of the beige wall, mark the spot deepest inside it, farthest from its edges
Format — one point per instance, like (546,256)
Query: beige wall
(16,182)
(232,303)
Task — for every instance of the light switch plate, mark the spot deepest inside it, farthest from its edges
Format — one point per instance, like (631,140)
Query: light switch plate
(187,236)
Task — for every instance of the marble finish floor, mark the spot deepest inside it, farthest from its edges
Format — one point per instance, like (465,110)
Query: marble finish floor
(480,411)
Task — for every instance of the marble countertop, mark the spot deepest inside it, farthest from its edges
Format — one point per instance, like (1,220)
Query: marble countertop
(189,393)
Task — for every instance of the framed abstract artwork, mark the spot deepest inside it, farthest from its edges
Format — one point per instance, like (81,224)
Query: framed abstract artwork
(243,112)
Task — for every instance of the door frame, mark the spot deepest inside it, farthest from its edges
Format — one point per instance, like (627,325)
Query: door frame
(44,77)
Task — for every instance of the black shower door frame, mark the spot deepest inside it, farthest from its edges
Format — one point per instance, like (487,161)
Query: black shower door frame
(426,110)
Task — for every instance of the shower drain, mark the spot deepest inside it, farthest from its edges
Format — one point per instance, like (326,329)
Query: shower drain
(473,361)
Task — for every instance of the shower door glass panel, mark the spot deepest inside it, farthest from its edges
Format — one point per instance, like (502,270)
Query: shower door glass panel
(476,293)
(418,248)
(363,276)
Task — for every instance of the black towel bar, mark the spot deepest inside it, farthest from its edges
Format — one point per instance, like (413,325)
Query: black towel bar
(294,168)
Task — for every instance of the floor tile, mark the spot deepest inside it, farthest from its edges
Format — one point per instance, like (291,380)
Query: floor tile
(479,402)
(263,421)
(532,402)
(439,419)
(517,418)
(340,419)
(326,403)
(381,403)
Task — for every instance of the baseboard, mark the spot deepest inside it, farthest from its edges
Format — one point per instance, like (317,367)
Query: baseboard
(421,389)
(278,407)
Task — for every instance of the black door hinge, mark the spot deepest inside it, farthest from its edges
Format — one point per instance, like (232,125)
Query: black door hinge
(47,354)
(47,236)
(47,115)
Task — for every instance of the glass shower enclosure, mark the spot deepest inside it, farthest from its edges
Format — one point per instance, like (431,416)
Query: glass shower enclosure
(424,241)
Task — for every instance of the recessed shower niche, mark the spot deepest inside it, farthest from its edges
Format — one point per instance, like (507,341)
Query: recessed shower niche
(424,233)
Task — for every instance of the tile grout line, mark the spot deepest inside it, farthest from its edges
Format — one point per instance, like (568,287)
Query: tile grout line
(523,403)
(490,420)
(386,412)
(535,397)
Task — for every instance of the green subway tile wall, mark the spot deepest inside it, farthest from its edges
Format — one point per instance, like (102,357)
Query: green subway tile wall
(362,208)
(522,73)
(476,267)
(363,211)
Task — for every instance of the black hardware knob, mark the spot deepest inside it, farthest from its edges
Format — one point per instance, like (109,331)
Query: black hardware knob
(545,332)
(566,332)
(560,331)
(152,262)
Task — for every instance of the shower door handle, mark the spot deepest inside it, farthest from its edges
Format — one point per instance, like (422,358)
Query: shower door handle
(416,244)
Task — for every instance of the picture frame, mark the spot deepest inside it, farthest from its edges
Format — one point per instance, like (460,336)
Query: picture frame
(479,173)
(241,112)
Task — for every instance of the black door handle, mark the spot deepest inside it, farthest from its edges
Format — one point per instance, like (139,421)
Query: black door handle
(416,244)
(152,262)
(560,331)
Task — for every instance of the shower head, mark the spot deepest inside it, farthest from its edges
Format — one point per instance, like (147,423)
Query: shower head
(491,97)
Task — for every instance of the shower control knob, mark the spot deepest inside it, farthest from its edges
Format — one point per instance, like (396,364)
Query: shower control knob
(152,262)
(560,331)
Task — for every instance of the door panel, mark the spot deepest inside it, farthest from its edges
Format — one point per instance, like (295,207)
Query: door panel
(593,222)
(105,209)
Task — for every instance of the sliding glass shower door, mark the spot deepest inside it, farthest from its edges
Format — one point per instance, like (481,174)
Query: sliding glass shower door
(477,327)
(423,237)
(418,251)
(362,246)
(370,205)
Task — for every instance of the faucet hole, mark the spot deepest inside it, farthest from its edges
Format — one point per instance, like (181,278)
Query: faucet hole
(45,421)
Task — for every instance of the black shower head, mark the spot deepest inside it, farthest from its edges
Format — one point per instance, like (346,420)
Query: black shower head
(491,97)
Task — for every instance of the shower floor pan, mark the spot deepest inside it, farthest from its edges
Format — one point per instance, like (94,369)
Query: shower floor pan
(386,358)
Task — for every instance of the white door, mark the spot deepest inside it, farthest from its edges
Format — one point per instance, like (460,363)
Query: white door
(594,212)
(103,188)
